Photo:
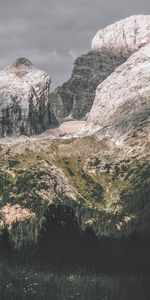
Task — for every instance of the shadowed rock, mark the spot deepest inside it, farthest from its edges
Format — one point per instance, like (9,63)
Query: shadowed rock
(74,99)
(110,47)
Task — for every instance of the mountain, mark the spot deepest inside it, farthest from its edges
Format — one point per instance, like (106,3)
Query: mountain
(121,109)
(24,107)
(74,99)
(110,47)
(97,179)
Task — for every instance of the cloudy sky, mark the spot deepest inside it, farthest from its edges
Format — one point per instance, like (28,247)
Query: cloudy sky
(52,33)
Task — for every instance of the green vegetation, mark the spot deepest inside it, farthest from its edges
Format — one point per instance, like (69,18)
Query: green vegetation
(31,284)
(71,181)
(87,186)
(108,195)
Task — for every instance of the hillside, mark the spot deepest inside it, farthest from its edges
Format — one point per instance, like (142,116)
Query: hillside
(97,178)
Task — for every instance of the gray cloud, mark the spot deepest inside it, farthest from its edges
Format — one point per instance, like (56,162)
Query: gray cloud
(52,33)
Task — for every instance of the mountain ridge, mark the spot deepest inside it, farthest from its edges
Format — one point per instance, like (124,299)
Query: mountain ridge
(98,176)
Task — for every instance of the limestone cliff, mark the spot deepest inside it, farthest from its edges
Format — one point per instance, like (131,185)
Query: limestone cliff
(121,108)
(24,107)
(110,48)
(74,99)
(125,36)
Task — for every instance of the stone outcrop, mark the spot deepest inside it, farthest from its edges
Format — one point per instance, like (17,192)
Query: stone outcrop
(125,36)
(74,99)
(110,48)
(10,214)
(24,107)
(121,107)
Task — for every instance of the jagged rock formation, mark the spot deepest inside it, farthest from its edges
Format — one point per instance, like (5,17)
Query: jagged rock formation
(100,179)
(74,99)
(110,47)
(121,107)
(125,36)
(24,107)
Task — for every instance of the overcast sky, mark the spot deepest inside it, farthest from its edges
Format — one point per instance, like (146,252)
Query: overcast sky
(52,33)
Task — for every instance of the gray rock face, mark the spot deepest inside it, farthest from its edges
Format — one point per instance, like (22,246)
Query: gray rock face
(121,107)
(24,107)
(125,36)
(74,99)
(110,47)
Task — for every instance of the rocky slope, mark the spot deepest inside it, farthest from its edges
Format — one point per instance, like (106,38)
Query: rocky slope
(101,179)
(110,47)
(121,107)
(74,99)
(103,186)
(24,107)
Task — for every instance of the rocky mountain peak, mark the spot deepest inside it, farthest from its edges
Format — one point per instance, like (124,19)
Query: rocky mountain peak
(100,180)
(22,62)
(111,47)
(125,36)
(74,99)
(24,107)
